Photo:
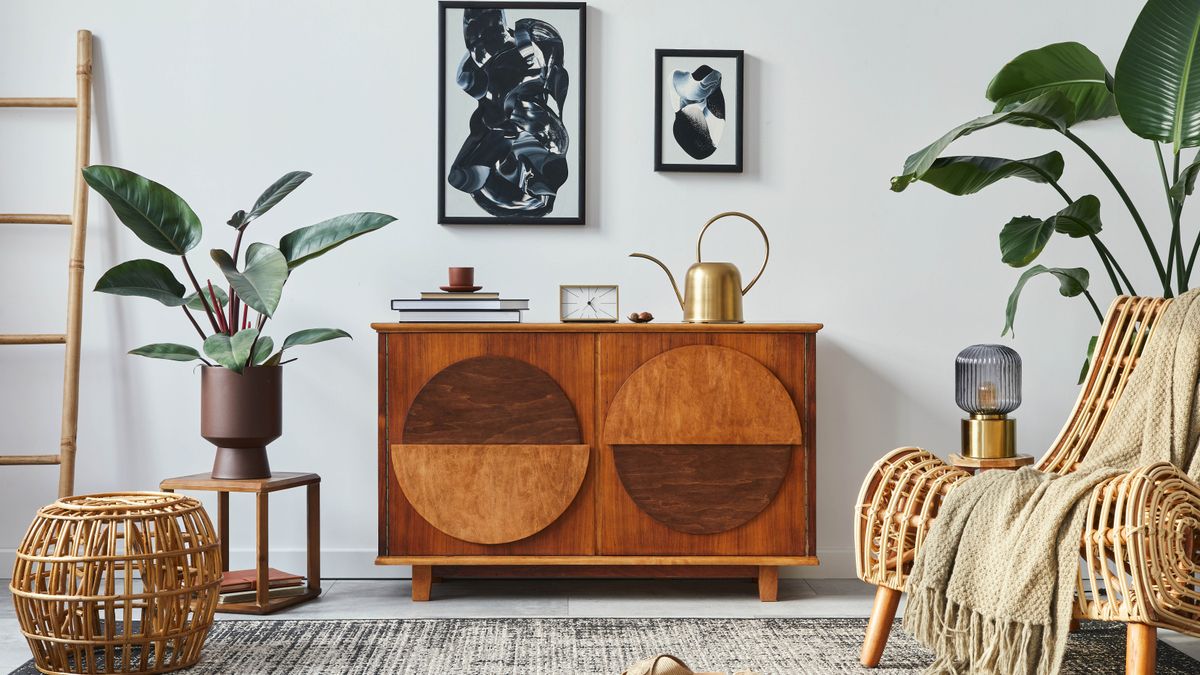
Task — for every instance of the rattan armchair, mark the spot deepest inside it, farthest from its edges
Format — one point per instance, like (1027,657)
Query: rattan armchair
(1139,546)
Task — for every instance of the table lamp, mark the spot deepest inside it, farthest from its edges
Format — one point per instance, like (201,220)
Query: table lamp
(987,380)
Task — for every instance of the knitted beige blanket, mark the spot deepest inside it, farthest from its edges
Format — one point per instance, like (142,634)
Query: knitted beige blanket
(992,589)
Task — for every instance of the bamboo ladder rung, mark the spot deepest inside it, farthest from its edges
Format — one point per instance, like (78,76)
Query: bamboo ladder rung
(27,460)
(38,102)
(33,339)
(36,218)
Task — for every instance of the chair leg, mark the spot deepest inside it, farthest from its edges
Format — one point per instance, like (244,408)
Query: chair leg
(880,625)
(1141,647)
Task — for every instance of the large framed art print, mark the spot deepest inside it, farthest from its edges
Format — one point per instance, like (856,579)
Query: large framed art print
(698,109)
(511,112)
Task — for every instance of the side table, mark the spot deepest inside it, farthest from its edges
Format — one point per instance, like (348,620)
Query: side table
(261,488)
(976,464)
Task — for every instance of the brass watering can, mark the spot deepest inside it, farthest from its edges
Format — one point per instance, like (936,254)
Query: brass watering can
(712,291)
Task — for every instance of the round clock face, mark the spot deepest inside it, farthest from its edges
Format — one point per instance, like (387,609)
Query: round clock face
(587,303)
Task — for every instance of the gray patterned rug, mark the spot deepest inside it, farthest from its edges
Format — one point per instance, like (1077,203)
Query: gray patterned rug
(597,647)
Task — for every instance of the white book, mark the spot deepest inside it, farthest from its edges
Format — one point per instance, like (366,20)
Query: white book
(461,316)
(406,304)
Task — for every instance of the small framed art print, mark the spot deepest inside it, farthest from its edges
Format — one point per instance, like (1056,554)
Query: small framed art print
(698,110)
(511,112)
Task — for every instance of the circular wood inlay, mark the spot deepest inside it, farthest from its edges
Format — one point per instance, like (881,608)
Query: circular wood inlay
(702,489)
(490,494)
(702,437)
(492,451)
(491,399)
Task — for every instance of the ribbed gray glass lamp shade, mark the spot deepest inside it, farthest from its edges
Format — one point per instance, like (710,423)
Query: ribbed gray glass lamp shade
(987,379)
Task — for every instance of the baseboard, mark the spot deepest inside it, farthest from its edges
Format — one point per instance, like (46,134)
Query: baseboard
(836,563)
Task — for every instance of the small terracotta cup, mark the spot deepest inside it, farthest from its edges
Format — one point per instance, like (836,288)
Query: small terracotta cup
(462,276)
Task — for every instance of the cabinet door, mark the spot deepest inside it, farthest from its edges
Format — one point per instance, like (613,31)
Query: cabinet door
(703,444)
(487,444)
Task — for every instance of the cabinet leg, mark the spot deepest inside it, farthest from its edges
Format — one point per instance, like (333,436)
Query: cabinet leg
(422,579)
(768,583)
(880,625)
(1141,647)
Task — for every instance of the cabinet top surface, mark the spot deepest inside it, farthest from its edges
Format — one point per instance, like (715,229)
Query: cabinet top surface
(582,327)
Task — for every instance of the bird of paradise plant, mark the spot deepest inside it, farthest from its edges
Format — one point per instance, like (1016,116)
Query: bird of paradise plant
(1155,91)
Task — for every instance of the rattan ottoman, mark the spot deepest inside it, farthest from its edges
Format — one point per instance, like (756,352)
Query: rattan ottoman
(117,583)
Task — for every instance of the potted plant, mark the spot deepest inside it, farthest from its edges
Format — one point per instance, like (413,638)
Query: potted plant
(241,378)
(1058,87)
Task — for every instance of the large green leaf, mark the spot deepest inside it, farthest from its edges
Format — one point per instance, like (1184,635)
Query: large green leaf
(1071,282)
(153,212)
(275,194)
(168,351)
(260,285)
(1022,240)
(1187,181)
(231,352)
(311,336)
(1081,218)
(1052,110)
(1065,67)
(262,349)
(1158,74)
(1087,361)
(969,174)
(145,279)
(308,336)
(309,242)
(193,300)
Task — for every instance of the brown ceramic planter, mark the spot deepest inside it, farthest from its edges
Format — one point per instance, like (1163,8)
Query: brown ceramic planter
(241,414)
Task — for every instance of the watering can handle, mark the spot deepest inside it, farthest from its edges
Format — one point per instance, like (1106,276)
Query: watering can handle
(761,231)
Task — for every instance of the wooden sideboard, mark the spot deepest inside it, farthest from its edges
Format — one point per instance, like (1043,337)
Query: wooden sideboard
(597,450)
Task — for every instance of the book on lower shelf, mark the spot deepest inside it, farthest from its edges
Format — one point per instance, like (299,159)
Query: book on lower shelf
(272,593)
(247,580)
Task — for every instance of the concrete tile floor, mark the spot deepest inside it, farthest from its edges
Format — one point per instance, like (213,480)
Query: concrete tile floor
(389,599)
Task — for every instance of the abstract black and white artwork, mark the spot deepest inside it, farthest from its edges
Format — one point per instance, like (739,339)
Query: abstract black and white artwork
(511,128)
(698,110)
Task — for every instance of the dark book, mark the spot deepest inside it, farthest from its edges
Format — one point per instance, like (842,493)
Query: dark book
(247,580)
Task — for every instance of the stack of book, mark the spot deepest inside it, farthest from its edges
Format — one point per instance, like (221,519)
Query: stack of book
(242,585)
(441,307)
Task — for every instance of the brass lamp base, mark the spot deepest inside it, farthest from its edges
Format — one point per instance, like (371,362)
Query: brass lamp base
(989,437)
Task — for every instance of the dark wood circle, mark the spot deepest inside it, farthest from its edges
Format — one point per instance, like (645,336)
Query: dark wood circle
(702,489)
(492,399)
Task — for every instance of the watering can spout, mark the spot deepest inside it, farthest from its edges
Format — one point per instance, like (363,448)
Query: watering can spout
(656,261)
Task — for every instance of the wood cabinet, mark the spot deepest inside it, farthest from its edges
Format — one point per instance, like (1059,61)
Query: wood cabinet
(597,450)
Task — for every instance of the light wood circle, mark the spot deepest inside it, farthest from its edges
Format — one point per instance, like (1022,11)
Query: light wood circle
(702,395)
(490,494)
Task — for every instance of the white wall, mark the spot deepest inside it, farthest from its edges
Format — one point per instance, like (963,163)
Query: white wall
(217,99)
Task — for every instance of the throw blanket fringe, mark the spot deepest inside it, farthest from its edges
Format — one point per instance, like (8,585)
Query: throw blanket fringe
(991,646)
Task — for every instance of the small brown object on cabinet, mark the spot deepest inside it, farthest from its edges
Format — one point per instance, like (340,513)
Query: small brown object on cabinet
(642,317)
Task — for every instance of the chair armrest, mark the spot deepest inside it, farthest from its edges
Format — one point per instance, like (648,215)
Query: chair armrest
(899,499)
(1140,546)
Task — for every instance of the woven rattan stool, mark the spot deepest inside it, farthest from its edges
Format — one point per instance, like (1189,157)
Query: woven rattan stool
(117,583)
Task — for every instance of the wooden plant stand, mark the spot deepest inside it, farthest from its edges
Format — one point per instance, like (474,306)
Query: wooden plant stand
(261,488)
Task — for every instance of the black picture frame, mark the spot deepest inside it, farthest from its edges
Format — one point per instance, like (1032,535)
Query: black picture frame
(578,97)
(738,56)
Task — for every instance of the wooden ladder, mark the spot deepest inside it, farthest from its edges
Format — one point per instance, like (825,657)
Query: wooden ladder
(82,103)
